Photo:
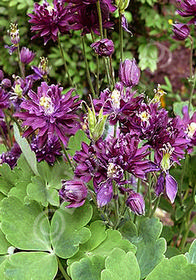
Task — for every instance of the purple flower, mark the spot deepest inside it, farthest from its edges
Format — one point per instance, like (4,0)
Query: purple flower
(42,71)
(85,17)
(48,20)
(135,202)
(103,47)
(190,126)
(49,112)
(1,75)
(125,25)
(129,73)
(6,83)
(168,185)
(105,193)
(181,31)
(11,156)
(4,100)
(26,55)
(14,37)
(74,192)
(49,152)
(188,8)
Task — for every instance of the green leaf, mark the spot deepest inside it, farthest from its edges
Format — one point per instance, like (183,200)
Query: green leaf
(25,226)
(120,265)
(4,244)
(176,268)
(31,265)
(191,255)
(7,179)
(28,153)
(76,140)
(68,231)
(177,107)
(87,268)
(150,249)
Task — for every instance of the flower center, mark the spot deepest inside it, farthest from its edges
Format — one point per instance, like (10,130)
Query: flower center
(144,116)
(50,9)
(115,97)
(46,103)
(114,171)
(167,152)
(191,129)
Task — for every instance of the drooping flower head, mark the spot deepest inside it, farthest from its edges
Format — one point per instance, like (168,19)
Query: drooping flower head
(49,152)
(49,112)
(181,31)
(135,202)
(188,8)
(14,37)
(129,73)
(26,56)
(85,17)
(103,47)
(48,20)
(74,192)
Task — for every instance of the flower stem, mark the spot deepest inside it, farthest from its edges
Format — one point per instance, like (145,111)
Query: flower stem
(67,156)
(155,206)
(121,35)
(65,63)
(191,57)
(138,190)
(112,71)
(20,63)
(87,69)
(61,268)
(100,18)
(149,197)
(192,91)
(97,62)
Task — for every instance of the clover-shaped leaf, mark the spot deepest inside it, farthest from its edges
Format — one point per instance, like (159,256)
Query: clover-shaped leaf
(121,265)
(25,226)
(71,229)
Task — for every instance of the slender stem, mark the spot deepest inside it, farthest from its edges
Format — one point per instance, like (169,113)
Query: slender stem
(116,206)
(65,63)
(20,63)
(97,62)
(100,18)
(8,129)
(191,57)
(61,268)
(149,196)
(112,71)
(182,179)
(121,35)
(156,205)
(192,91)
(67,156)
(4,138)
(87,69)
(138,190)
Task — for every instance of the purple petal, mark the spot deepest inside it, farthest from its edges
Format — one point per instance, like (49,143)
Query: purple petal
(171,187)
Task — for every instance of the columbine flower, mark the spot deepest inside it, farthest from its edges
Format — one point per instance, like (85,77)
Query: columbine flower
(74,192)
(41,72)
(49,151)
(6,83)
(188,8)
(14,37)
(168,185)
(11,156)
(26,56)
(48,20)
(135,202)
(85,17)
(181,31)
(49,112)
(103,47)
(129,73)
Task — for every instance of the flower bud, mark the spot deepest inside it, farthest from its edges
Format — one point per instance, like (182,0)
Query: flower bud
(181,31)
(136,203)
(129,73)
(104,47)
(26,56)
(6,83)
(14,34)
(122,4)
(105,194)
(74,192)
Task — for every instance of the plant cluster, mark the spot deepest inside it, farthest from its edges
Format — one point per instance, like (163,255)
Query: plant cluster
(83,179)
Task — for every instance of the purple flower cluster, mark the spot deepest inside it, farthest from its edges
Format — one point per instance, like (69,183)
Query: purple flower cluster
(49,112)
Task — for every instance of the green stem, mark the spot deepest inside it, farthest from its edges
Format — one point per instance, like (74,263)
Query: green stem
(116,206)
(192,91)
(61,268)
(121,35)
(87,69)
(112,71)
(149,196)
(67,156)
(65,63)
(20,63)
(4,138)
(8,129)
(182,179)
(100,18)
(138,190)
(191,57)
(155,206)
(97,62)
